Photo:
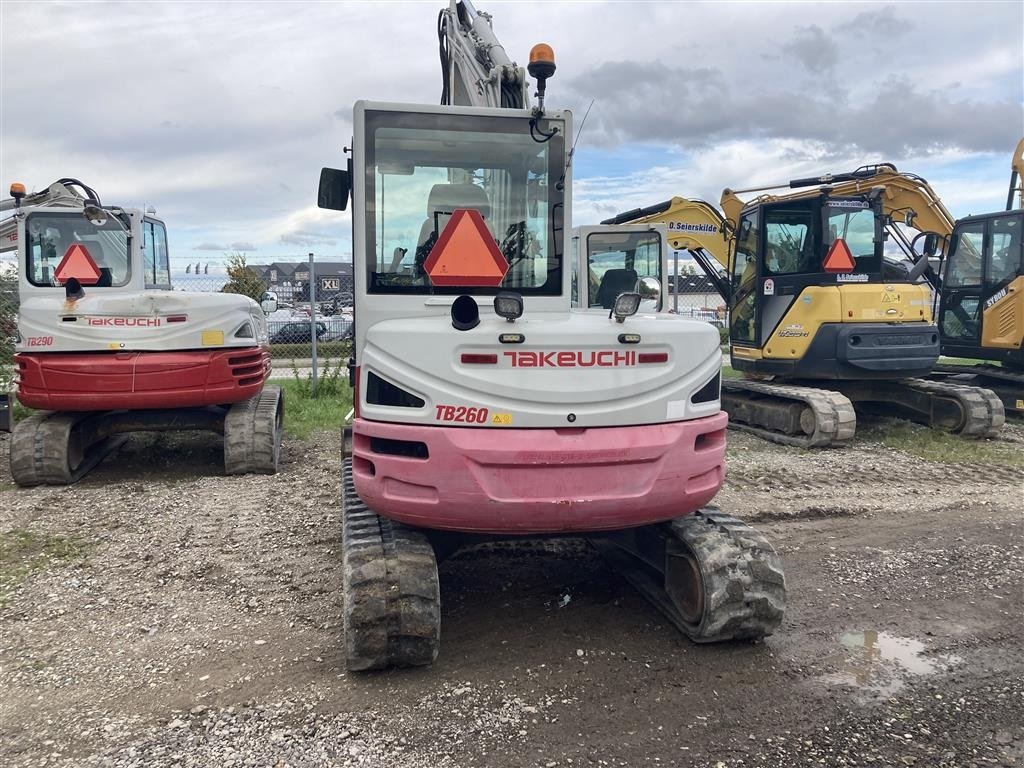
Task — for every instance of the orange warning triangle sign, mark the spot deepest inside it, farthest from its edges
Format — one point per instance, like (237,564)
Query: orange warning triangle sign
(77,263)
(466,254)
(839,258)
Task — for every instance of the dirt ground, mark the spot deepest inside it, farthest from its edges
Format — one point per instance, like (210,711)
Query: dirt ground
(159,613)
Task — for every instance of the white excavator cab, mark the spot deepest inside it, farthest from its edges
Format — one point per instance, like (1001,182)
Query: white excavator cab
(610,260)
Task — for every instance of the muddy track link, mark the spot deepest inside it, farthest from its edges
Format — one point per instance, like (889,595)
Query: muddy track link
(981,411)
(252,434)
(825,418)
(714,577)
(744,586)
(392,613)
(54,448)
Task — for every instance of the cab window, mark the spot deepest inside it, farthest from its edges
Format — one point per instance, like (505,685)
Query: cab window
(155,260)
(965,263)
(617,260)
(744,278)
(50,237)
(856,224)
(1007,249)
(788,242)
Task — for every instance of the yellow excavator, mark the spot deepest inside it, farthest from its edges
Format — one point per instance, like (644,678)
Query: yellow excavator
(819,324)
(979,285)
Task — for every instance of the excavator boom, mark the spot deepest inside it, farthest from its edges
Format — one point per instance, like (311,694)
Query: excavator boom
(1016,177)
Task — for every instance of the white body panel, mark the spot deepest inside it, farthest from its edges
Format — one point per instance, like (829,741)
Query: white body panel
(129,317)
(571,363)
(109,319)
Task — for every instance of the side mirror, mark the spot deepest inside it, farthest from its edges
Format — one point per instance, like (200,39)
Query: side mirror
(269,302)
(931,244)
(334,189)
(650,293)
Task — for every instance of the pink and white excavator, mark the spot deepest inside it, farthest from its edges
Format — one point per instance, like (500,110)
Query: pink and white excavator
(105,346)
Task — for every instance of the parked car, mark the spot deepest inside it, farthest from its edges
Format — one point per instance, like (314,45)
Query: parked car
(297,331)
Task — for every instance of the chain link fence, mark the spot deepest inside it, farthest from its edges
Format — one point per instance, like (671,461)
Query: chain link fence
(311,329)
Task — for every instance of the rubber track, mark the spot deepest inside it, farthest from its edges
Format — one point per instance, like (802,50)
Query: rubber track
(252,434)
(392,613)
(1005,382)
(982,409)
(39,450)
(744,586)
(835,420)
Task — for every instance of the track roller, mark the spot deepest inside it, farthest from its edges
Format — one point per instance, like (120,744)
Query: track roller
(57,448)
(392,614)
(714,577)
(252,434)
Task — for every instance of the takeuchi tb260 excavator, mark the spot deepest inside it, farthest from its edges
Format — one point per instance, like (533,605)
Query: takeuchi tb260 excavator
(485,404)
(105,347)
(817,324)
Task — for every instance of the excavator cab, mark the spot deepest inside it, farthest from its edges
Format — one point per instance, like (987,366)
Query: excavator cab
(981,309)
(611,260)
(808,299)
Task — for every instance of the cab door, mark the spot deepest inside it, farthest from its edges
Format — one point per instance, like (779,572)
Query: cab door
(1002,296)
(789,260)
(961,302)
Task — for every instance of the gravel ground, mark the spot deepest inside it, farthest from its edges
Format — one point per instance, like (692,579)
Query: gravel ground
(160,614)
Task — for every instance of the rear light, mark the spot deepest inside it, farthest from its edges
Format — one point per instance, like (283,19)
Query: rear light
(469,358)
(177,319)
(652,357)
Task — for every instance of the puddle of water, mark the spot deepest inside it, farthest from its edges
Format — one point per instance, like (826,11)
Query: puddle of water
(880,662)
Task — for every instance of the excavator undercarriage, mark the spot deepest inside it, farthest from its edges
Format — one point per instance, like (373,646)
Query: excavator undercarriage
(59,447)
(804,415)
(713,577)
(1006,383)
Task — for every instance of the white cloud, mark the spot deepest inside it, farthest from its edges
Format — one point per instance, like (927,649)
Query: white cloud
(221,115)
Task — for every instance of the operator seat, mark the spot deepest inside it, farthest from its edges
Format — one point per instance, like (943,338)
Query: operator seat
(445,198)
(614,282)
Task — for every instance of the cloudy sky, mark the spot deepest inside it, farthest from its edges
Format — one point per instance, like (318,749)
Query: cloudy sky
(221,114)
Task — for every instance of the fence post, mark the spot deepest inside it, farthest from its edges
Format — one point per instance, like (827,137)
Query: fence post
(675,283)
(312,319)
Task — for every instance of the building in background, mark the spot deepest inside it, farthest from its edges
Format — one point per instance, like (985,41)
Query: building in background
(290,280)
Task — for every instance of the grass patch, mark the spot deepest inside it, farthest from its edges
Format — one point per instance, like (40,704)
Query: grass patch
(728,372)
(943,447)
(303,351)
(305,413)
(24,552)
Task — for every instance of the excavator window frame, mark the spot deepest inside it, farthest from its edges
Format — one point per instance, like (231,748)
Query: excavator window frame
(155,259)
(75,224)
(554,169)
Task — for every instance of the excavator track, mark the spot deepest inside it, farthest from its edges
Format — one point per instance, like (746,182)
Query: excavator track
(805,417)
(252,434)
(392,614)
(57,448)
(1007,383)
(971,412)
(714,577)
